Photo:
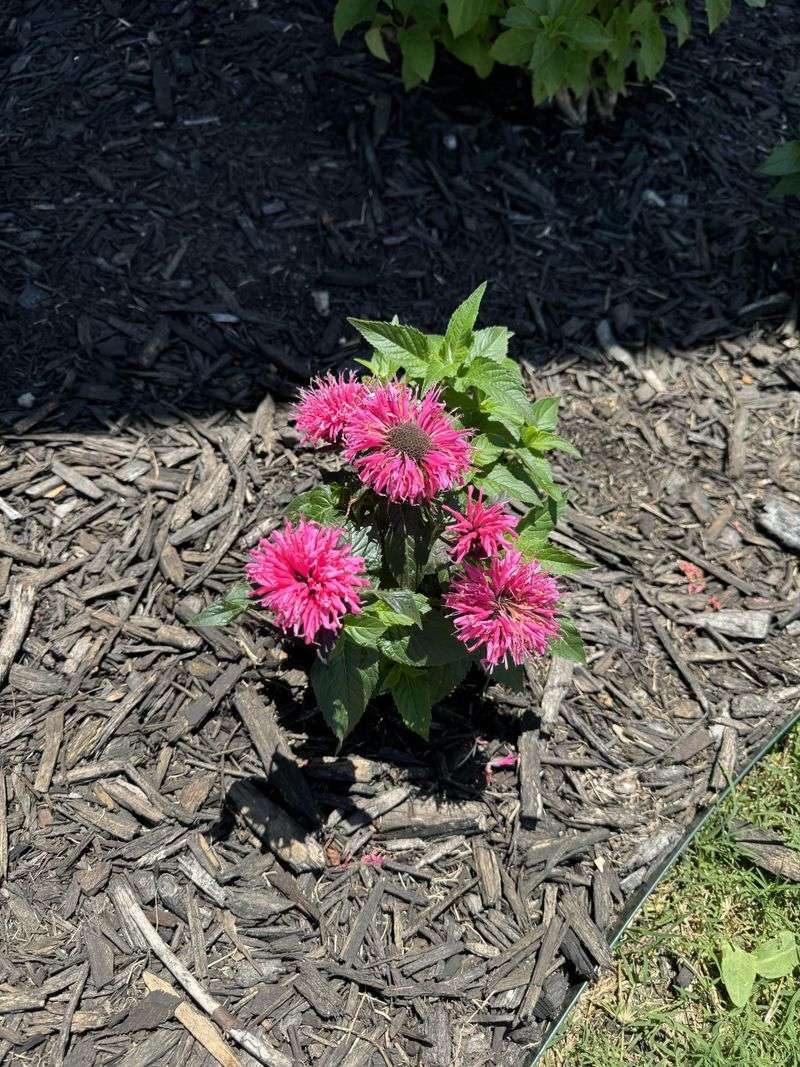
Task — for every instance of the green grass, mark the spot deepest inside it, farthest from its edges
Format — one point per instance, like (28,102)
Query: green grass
(636,1016)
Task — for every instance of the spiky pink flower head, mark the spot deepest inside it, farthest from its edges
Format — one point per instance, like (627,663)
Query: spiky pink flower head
(308,577)
(482,530)
(405,446)
(506,606)
(324,407)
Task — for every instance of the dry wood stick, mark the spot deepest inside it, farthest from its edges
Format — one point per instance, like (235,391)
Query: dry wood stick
(53,736)
(129,907)
(20,612)
(201,1028)
(69,1014)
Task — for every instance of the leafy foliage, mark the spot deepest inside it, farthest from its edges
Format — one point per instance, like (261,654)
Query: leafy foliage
(401,643)
(783,163)
(571,48)
(776,958)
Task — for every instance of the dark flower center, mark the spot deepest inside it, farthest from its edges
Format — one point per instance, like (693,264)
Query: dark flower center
(410,439)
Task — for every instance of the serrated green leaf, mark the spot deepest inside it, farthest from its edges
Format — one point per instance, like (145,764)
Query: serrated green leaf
(544,441)
(537,524)
(485,450)
(344,685)
(317,504)
(348,13)
(433,644)
(418,51)
(539,471)
(471,48)
(569,644)
(555,560)
(508,482)
(412,697)
(503,392)
(226,608)
(777,957)
(716,13)
(544,413)
(405,604)
(364,541)
(738,971)
(381,366)
(443,679)
(526,15)
(365,628)
(393,340)
(491,342)
(459,328)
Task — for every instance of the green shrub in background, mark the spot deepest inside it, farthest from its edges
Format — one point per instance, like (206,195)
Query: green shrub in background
(784,163)
(575,50)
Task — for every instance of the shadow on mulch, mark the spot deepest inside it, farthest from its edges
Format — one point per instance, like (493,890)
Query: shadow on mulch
(195,198)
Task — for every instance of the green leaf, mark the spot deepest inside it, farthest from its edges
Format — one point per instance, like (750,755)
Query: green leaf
(777,957)
(364,542)
(381,366)
(373,39)
(226,608)
(508,483)
(459,328)
(365,628)
(788,186)
(418,52)
(544,413)
(501,385)
(783,160)
(569,644)
(555,560)
(536,525)
(738,971)
(526,15)
(393,340)
(348,13)
(491,343)
(443,680)
(588,33)
(514,47)
(412,697)
(407,541)
(543,441)
(681,20)
(317,504)
(485,450)
(404,604)
(539,470)
(433,644)
(652,41)
(463,14)
(716,12)
(344,684)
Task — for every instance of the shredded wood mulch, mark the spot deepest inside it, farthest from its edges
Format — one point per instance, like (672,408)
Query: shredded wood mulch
(186,863)
(198,193)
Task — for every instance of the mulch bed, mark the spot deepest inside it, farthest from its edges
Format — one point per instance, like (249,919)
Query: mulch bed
(171,806)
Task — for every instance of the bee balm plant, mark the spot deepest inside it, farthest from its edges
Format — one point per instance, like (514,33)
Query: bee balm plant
(429,551)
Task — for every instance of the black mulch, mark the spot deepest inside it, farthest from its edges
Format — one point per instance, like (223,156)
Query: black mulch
(183,179)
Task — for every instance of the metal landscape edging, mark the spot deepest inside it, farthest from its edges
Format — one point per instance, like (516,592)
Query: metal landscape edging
(638,900)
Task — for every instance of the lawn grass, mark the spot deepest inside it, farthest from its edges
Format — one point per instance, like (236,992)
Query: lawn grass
(638,1016)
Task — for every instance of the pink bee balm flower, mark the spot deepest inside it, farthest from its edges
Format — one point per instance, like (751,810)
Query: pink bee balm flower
(323,408)
(405,446)
(483,530)
(507,606)
(308,577)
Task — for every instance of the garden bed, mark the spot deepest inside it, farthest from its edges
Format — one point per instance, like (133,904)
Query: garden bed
(399,902)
